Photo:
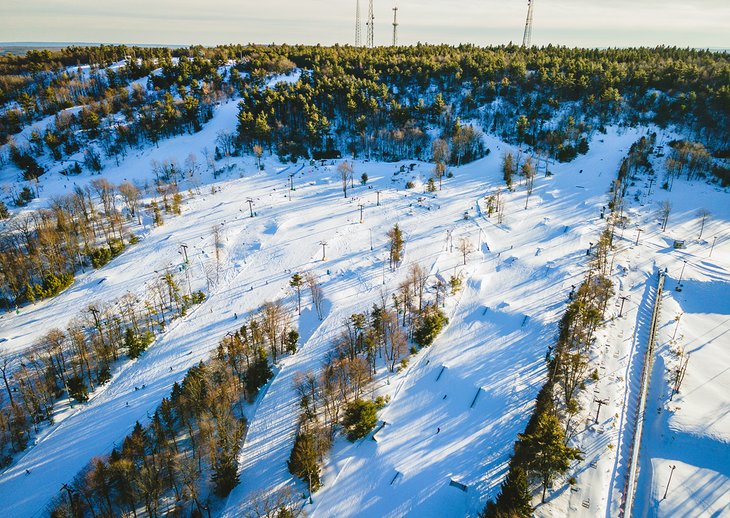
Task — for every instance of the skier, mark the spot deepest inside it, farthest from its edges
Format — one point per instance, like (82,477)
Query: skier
(438,430)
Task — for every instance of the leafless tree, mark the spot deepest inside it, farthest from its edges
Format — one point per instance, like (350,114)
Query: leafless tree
(665,210)
(465,247)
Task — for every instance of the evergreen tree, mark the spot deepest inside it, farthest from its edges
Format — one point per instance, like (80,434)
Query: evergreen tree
(396,245)
(360,417)
(297,282)
(302,462)
(545,452)
(430,324)
(225,474)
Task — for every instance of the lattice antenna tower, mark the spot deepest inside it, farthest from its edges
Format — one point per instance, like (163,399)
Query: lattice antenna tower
(358,25)
(371,26)
(395,26)
(527,38)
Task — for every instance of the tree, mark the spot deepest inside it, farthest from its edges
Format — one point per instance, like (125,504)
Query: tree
(225,473)
(545,451)
(430,324)
(345,170)
(258,151)
(396,245)
(508,169)
(360,417)
(303,463)
(514,497)
(664,210)
(465,247)
(440,152)
(297,282)
(130,195)
(315,289)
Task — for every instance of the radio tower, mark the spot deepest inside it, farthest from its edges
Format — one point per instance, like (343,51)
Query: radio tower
(526,39)
(370,24)
(395,26)
(358,31)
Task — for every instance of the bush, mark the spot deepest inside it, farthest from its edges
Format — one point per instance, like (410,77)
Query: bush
(116,247)
(410,185)
(360,418)
(77,389)
(429,326)
(100,256)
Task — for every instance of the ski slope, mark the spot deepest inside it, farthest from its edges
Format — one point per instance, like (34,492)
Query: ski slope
(457,409)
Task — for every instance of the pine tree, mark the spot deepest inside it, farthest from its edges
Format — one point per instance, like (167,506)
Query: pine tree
(545,452)
(297,282)
(360,417)
(225,474)
(396,245)
(514,498)
(302,462)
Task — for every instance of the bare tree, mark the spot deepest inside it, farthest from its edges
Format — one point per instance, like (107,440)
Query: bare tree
(130,195)
(665,210)
(345,170)
(441,154)
(316,292)
(465,247)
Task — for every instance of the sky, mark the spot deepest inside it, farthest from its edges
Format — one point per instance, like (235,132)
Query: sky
(584,23)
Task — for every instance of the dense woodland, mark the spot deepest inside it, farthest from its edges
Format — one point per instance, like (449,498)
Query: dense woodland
(383,103)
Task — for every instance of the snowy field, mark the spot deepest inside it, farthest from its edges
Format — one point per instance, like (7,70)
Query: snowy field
(458,407)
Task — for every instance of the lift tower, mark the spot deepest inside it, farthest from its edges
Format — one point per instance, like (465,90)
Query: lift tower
(526,39)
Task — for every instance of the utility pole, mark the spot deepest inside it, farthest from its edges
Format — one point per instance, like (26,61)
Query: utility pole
(714,239)
(358,30)
(250,205)
(324,248)
(395,26)
(600,403)
(639,231)
(361,209)
(527,37)
(624,298)
(371,26)
(679,284)
(185,252)
(378,195)
(669,481)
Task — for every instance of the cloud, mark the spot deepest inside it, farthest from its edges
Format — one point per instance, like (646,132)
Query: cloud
(570,22)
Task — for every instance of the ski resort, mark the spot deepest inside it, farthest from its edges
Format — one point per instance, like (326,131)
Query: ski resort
(365,281)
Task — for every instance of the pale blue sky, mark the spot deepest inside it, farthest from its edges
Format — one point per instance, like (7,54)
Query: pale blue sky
(694,23)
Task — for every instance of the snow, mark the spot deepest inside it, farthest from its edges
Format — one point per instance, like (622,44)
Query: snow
(456,410)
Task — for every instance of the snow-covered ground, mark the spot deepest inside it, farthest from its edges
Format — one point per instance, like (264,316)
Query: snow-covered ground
(457,409)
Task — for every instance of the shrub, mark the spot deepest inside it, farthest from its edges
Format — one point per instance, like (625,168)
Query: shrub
(100,256)
(77,389)
(429,326)
(360,418)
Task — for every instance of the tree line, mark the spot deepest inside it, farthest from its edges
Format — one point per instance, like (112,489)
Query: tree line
(333,398)
(186,458)
(42,250)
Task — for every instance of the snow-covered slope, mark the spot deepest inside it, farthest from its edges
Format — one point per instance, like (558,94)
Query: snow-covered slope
(456,410)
